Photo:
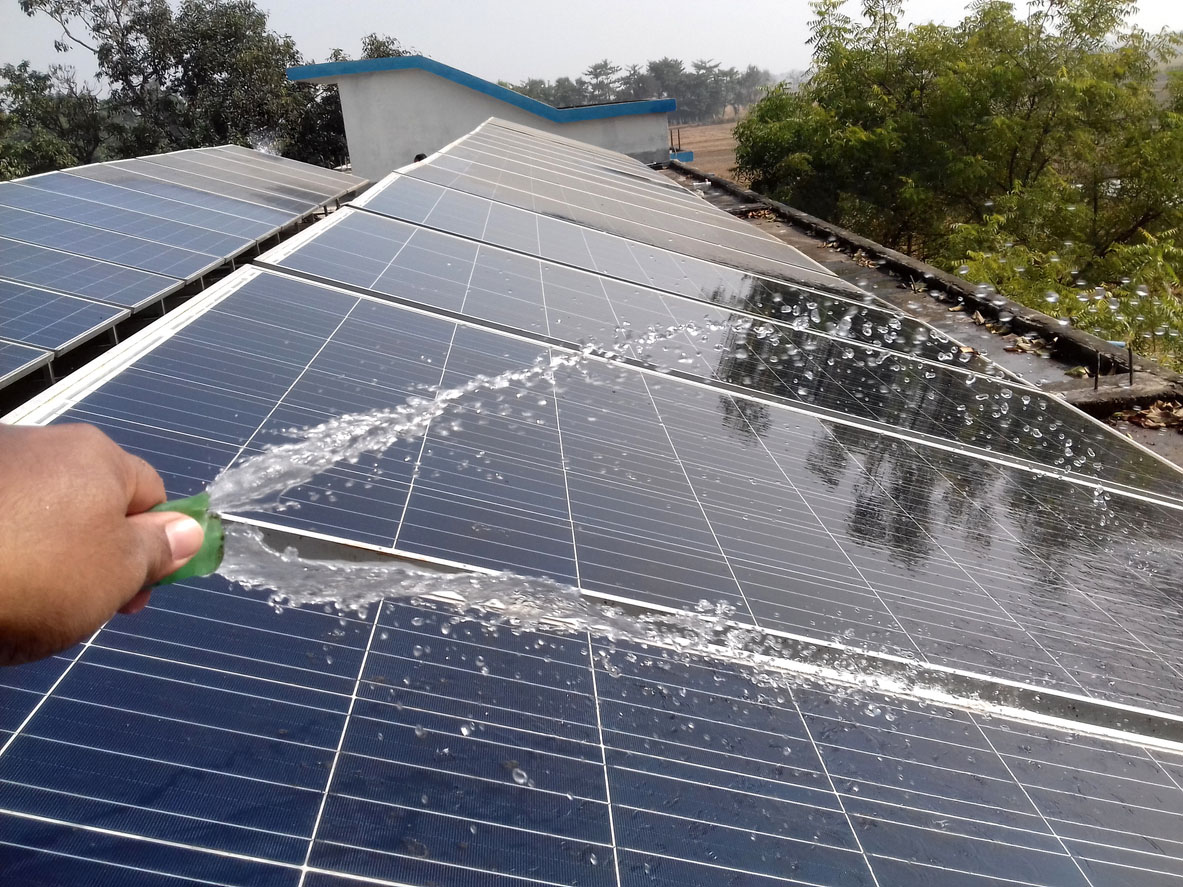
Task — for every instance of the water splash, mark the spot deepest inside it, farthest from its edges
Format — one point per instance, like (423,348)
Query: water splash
(255,483)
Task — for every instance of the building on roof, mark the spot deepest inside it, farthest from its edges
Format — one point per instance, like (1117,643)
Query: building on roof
(398,108)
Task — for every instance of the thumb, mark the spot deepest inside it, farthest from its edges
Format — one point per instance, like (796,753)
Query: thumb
(166,540)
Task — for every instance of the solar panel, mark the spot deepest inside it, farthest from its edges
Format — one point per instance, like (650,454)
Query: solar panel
(307,179)
(110,218)
(191,210)
(913,383)
(286,197)
(652,217)
(96,243)
(231,201)
(623,485)
(18,360)
(482,218)
(81,276)
(342,182)
(213,739)
(52,321)
(204,179)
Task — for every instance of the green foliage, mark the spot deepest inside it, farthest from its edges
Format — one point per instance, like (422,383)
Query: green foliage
(47,121)
(1042,143)
(704,92)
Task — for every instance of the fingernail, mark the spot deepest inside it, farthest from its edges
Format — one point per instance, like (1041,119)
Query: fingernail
(184,537)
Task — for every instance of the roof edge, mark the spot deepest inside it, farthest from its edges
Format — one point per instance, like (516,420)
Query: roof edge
(330,71)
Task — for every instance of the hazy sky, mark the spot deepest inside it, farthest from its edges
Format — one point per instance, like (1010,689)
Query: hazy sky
(515,39)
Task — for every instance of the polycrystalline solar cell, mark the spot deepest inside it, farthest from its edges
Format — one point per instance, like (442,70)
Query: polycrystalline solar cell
(193,212)
(108,246)
(50,320)
(283,209)
(658,491)
(113,218)
(518,757)
(148,180)
(80,276)
(513,227)
(19,360)
(292,200)
(797,366)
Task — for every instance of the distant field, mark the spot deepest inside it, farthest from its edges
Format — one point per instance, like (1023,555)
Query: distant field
(713,147)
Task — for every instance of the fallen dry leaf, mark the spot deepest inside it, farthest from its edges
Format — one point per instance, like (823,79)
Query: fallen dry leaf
(1160,414)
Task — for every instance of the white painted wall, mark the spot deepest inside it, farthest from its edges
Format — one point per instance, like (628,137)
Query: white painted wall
(390,116)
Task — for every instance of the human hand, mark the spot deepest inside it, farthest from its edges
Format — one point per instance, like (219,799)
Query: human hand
(77,542)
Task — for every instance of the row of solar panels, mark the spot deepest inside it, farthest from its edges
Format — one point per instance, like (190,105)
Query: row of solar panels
(82,249)
(770,439)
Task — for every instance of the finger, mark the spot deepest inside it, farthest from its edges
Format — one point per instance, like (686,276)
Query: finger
(144,486)
(163,541)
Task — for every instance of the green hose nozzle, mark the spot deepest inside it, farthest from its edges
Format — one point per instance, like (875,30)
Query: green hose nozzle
(209,556)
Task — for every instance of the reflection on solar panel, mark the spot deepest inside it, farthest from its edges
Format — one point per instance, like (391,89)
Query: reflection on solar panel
(212,739)
(108,233)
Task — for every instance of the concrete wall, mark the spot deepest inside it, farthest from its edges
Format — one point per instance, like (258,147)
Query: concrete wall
(390,116)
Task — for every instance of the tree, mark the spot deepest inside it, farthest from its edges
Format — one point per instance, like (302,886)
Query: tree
(1010,142)
(636,84)
(601,81)
(566,93)
(50,121)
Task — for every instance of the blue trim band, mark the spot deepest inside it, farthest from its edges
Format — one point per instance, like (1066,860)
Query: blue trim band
(334,70)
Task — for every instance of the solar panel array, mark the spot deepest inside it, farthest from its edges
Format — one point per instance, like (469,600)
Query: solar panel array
(81,249)
(752,457)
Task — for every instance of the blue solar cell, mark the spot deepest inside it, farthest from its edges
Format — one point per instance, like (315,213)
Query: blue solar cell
(95,243)
(80,276)
(50,320)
